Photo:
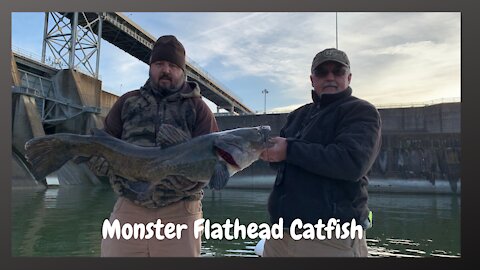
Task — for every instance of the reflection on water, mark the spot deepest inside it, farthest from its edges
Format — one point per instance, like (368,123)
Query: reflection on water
(59,222)
(414,225)
(67,222)
(248,206)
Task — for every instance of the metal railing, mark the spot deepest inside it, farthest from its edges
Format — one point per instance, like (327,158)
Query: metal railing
(418,104)
(43,89)
(48,61)
(33,56)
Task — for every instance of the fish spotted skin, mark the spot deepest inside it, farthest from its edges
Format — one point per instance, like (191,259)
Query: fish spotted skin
(209,159)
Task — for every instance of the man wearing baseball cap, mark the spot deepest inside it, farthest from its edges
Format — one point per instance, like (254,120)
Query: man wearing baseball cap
(322,158)
(138,117)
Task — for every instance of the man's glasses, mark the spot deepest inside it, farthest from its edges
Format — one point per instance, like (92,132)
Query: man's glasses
(323,72)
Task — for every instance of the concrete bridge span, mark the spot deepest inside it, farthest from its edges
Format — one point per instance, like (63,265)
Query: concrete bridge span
(120,31)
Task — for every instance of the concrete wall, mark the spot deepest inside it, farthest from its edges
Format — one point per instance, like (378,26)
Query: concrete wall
(21,177)
(26,124)
(15,75)
(88,88)
(106,102)
(419,145)
(26,121)
(440,118)
(275,121)
(77,87)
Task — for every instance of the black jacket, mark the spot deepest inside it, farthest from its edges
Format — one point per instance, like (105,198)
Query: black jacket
(332,144)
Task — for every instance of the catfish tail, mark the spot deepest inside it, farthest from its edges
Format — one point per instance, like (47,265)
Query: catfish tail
(47,154)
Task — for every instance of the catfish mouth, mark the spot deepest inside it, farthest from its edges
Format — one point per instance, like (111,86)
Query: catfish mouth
(258,140)
(227,157)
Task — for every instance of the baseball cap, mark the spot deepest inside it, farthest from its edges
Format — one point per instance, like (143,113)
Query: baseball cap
(330,54)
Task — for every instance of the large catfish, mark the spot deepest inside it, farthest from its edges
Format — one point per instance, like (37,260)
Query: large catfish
(210,158)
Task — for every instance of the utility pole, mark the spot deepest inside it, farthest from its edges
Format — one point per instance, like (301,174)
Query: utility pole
(265,92)
(336,30)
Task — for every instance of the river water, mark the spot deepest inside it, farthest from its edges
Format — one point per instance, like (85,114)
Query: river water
(67,222)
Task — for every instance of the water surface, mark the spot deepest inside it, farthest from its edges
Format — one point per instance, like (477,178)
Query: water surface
(67,222)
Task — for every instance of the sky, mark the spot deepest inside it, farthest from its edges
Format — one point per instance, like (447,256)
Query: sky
(396,58)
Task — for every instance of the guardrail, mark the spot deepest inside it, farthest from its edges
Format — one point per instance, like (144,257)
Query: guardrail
(418,104)
(60,100)
(48,61)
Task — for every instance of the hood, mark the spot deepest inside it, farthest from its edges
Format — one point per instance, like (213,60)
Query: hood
(189,90)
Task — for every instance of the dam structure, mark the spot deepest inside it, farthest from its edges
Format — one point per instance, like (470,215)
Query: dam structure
(420,151)
(61,92)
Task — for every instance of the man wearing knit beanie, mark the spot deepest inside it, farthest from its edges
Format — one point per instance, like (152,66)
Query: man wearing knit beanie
(139,117)
(167,65)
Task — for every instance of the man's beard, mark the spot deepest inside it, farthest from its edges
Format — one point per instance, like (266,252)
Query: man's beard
(166,89)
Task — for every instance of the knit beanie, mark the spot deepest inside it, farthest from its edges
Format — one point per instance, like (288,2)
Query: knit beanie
(168,48)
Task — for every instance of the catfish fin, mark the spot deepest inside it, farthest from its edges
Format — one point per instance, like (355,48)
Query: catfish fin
(220,176)
(169,135)
(47,154)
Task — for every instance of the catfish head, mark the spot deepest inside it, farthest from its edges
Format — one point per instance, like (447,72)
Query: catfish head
(240,147)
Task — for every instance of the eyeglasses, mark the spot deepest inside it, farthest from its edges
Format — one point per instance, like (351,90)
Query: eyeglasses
(323,72)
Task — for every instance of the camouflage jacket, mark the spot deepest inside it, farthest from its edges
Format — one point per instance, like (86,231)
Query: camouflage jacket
(137,116)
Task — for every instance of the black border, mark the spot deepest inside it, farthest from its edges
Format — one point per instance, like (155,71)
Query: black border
(470,130)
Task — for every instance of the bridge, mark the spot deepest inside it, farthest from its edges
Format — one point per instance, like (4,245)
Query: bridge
(74,39)
(60,91)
